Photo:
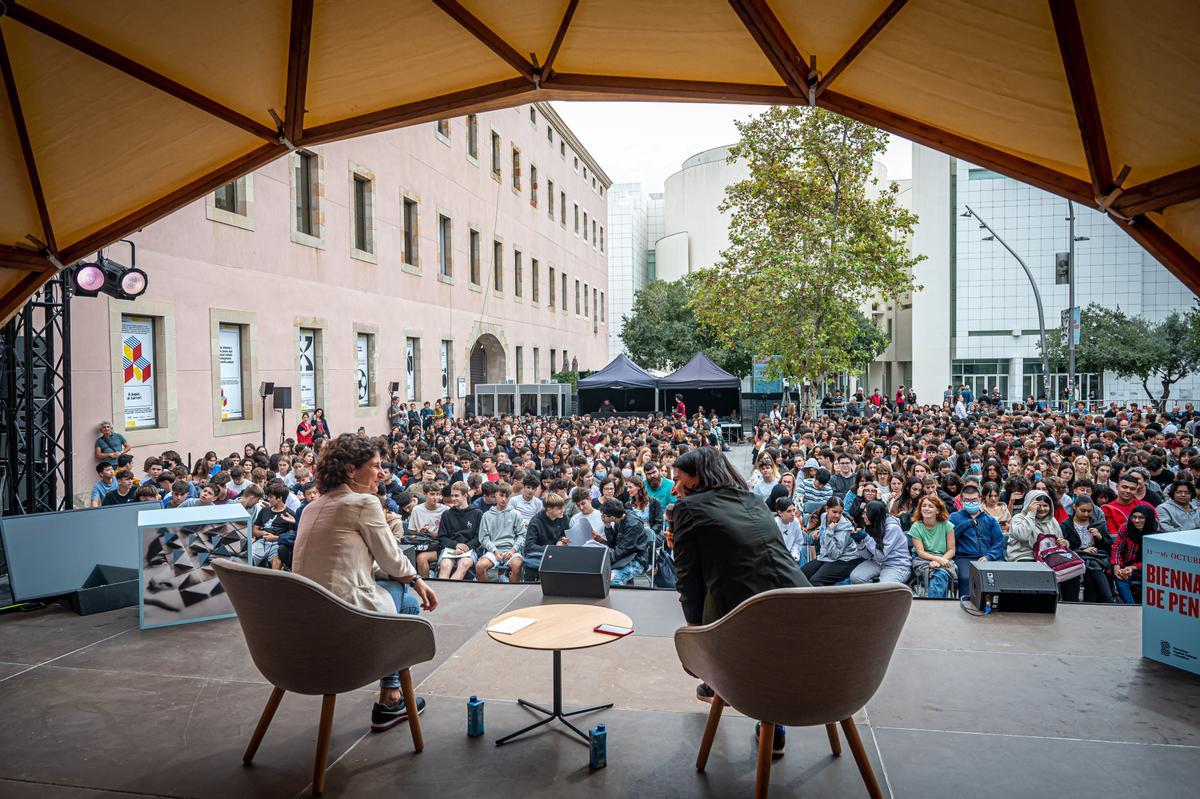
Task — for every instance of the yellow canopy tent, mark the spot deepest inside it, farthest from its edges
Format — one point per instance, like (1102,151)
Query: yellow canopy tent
(117,112)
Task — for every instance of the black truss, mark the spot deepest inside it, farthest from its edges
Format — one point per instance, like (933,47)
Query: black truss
(35,404)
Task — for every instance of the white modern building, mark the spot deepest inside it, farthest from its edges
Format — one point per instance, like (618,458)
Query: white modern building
(694,230)
(628,256)
(975,320)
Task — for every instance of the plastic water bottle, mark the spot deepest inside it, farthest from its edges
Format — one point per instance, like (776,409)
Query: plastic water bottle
(597,747)
(474,717)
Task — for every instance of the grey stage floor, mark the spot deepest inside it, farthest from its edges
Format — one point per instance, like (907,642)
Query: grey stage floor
(1000,707)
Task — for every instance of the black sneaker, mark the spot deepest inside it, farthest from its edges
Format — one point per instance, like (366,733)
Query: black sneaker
(704,693)
(384,717)
(778,742)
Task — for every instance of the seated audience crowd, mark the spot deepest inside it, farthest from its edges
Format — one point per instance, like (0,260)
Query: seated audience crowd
(898,492)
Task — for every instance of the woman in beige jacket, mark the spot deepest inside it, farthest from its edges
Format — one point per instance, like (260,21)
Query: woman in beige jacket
(345,545)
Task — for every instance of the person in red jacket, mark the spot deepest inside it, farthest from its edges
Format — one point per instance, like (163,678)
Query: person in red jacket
(901,399)
(1127,552)
(1116,513)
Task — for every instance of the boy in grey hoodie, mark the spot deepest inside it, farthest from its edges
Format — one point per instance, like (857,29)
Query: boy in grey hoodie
(501,539)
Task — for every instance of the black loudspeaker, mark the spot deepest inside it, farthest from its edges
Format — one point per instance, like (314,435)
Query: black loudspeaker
(575,571)
(1023,587)
(394,386)
(266,389)
(283,398)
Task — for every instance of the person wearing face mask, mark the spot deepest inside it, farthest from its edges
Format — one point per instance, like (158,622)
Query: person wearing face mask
(977,536)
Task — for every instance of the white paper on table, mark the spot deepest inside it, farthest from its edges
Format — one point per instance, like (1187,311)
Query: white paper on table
(511,625)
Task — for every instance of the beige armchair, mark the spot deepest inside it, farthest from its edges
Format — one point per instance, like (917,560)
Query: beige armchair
(306,640)
(840,638)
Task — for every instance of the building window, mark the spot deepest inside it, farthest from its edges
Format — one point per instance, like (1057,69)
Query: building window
(231,204)
(306,181)
(140,366)
(497,266)
(563,293)
(595,240)
(562,208)
(537,366)
(593,182)
(495,155)
(473,136)
(412,364)
(520,375)
(576,207)
(308,344)
(445,243)
(603,309)
(231,197)
(551,286)
(550,134)
(602,238)
(516,169)
(576,164)
(362,213)
(518,276)
(553,362)
(408,222)
(443,130)
(585,173)
(585,225)
(562,148)
(595,309)
(232,388)
(577,305)
(585,301)
(550,198)
(474,258)
(364,354)
(447,366)
(535,287)
(533,185)
(566,364)
(532,116)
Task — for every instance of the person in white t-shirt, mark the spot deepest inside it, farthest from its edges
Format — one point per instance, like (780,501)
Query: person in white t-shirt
(526,504)
(587,526)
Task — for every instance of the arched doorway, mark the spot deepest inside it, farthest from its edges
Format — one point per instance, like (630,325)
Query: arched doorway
(487,360)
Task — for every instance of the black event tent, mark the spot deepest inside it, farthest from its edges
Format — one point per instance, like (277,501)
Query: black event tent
(702,382)
(629,388)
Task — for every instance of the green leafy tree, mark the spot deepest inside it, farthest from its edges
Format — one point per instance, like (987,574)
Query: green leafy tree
(1156,353)
(812,237)
(661,331)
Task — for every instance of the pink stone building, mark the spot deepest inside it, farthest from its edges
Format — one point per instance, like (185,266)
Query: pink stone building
(428,259)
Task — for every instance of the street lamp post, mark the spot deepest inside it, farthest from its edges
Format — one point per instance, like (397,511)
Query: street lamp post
(1071,304)
(1037,296)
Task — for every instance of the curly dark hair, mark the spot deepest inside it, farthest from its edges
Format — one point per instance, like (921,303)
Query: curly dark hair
(345,450)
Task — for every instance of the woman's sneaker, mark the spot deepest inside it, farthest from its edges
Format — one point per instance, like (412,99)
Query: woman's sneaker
(384,717)
(778,742)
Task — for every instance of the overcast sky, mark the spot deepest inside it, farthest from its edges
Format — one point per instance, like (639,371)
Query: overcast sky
(646,142)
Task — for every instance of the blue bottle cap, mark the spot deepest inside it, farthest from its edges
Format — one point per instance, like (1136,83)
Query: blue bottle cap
(600,727)
(474,698)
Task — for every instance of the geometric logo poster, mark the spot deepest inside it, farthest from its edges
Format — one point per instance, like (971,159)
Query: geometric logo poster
(137,367)
(178,583)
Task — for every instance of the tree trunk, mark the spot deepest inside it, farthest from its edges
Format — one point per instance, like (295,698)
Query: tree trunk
(1166,394)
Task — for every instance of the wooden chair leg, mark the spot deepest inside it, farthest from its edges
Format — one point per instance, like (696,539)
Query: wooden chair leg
(323,733)
(860,757)
(264,721)
(835,743)
(710,732)
(410,702)
(762,777)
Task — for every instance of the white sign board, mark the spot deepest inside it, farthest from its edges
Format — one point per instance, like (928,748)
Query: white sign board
(362,350)
(1171,599)
(231,372)
(138,368)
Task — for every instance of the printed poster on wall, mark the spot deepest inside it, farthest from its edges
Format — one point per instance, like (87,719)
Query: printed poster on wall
(231,372)
(137,364)
(308,369)
(362,350)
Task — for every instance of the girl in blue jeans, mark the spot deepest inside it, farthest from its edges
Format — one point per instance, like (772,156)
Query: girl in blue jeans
(1127,552)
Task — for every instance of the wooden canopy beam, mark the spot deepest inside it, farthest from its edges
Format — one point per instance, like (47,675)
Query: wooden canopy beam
(19,294)
(775,44)
(1155,195)
(620,86)
(64,35)
(559,35)
(860,44)
(20,258)
(961,147)
(182,196)
(489,37)
(1167,250)
(297,74)
(1083,93)
(35,182)
(500,94)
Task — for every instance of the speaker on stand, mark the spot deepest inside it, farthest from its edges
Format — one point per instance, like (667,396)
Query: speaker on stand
(265,389)
(282,400)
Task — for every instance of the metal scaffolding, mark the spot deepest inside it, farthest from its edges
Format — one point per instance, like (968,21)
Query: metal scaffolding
(35,404)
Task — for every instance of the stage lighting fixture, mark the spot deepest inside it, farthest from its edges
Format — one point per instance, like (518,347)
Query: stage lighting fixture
(109,277)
